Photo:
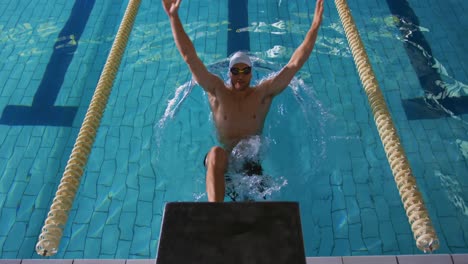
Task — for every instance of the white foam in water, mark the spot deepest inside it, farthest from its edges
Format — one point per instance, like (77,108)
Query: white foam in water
(453,190)
(452,87)
(243,186)
(250,188)
(253,187)
(173,104)
(249,148)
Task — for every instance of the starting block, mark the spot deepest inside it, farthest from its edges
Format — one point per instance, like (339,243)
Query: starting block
(246,232)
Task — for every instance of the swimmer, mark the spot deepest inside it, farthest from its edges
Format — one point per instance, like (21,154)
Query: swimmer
(239,110)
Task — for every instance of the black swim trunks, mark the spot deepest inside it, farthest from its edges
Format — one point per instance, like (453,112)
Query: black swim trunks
(249,168)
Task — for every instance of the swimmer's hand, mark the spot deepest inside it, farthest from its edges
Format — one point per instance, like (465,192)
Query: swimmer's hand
(171,6)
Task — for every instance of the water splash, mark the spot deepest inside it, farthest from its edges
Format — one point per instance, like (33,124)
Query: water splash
(454,191)
(241,186)
(449,86)
(161,128)
(174,104)
(463,147)
(253,188)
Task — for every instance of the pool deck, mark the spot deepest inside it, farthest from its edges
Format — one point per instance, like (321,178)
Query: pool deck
(400,259)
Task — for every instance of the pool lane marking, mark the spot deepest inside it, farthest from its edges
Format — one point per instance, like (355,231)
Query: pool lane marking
(423,108)
(238,17)
(42,111)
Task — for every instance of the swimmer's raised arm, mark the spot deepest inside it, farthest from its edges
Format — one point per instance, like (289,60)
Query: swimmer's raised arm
(278,83)
(202,76)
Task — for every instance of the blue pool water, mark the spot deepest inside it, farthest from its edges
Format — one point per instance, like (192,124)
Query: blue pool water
(320,145)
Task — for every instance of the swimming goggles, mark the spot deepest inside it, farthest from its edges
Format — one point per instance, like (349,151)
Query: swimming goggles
(236,71)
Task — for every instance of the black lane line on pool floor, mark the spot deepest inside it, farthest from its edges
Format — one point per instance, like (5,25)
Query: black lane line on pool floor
(42,111)
(238,37)
(423,108)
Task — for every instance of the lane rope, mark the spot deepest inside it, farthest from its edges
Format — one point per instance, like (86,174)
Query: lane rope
(52,231)
(418,216)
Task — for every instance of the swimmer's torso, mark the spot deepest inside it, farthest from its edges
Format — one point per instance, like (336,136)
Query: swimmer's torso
(238,114)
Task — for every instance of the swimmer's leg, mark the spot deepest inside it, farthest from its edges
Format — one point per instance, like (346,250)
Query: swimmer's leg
(216,165)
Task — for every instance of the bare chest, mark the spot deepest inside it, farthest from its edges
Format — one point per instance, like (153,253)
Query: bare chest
(240,116)
(248,109)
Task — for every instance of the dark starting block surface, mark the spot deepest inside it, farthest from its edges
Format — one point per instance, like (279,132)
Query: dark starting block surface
(251,232)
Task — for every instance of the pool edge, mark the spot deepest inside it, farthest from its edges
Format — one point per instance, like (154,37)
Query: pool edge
(390,259)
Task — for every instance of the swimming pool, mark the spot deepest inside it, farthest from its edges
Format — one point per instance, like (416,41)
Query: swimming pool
(320,136)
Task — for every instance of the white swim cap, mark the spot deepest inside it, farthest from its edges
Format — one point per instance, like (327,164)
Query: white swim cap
(239,57)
